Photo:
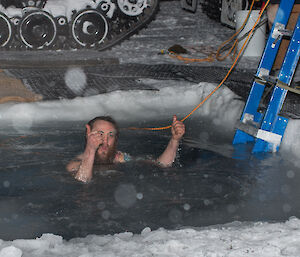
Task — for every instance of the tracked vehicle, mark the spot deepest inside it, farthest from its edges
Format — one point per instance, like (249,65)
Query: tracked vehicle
(71,24)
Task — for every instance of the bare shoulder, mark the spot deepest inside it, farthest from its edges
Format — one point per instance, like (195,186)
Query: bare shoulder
(122,157)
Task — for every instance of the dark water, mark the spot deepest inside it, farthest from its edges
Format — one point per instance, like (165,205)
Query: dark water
(206,185)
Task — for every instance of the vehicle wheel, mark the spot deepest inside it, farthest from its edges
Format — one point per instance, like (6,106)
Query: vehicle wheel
(6,32)
(37,30)
(89,28)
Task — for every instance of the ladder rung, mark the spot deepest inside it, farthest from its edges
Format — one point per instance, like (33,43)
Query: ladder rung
(266,79)
(267,136)
(247,128)
(287,87)
(285,32)
(271,80)
(280,31)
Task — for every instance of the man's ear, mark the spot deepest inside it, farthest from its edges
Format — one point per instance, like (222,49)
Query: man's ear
(88,129)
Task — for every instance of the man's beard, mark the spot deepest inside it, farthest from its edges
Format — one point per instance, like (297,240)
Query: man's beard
(108,158)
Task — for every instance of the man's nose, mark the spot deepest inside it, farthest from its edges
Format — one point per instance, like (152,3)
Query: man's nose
(105,140)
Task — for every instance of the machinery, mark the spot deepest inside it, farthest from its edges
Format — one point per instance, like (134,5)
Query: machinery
(220,10)
(69,24)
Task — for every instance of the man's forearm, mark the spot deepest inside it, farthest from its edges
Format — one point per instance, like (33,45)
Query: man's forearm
(168,156)
(85,171)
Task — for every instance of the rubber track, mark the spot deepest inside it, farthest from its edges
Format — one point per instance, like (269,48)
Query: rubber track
(127,26)
(143,21)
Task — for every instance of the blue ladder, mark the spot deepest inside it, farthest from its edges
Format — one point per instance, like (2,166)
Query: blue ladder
(266,129)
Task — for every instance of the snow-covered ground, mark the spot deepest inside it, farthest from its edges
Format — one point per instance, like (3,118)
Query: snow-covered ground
(235,239)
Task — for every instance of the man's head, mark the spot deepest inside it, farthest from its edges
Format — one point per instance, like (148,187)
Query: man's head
(106,128)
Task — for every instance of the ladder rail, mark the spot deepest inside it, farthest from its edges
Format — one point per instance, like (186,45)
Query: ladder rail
(270,124)
(264,68)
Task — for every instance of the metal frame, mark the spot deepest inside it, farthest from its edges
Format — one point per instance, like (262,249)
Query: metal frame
(270,126)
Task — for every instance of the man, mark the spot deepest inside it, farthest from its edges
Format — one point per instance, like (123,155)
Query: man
(102,134)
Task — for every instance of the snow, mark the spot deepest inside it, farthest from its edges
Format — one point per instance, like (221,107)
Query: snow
(290,142)
(10,251)
(75,79)
(179,97)
(235,239)
(67,7)
(11,11)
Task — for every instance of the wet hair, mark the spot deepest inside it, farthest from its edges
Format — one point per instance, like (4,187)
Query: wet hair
(105,118)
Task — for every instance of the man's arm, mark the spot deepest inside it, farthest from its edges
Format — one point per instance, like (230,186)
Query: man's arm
(168,156)
(83,167)
(73,165)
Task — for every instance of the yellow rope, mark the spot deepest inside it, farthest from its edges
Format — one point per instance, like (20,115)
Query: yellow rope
(209,58)
(217,55)
(234,46)
(221,83)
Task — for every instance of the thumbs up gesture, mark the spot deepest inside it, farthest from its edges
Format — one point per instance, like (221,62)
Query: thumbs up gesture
(178,129)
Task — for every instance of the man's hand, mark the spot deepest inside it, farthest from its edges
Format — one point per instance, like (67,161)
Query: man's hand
(93,140)
(168,156)
(178,129)
(84,167)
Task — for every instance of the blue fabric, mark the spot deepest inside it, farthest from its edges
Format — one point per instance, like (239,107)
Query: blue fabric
(127,157)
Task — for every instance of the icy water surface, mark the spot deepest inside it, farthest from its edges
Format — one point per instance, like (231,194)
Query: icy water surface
(207,185)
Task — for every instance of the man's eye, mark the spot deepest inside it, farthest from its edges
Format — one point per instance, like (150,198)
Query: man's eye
(111,135)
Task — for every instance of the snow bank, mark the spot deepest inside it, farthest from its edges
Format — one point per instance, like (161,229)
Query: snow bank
(235,239)
(173,98)
(291,141)
(222,110)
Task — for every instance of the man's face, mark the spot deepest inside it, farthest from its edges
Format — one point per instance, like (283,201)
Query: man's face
(107,150)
